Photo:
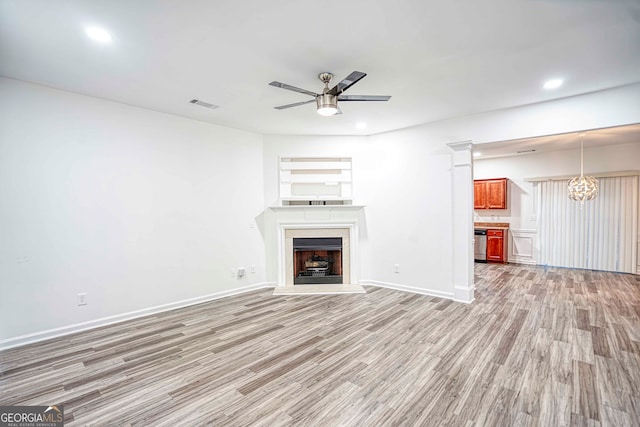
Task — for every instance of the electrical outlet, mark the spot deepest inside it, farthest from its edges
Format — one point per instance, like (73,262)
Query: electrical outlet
(233,272)
(82,298)
(253,268)
(241,272)
(396,268)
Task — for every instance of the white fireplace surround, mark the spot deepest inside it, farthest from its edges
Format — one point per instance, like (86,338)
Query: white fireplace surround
(288,231)
(316,221)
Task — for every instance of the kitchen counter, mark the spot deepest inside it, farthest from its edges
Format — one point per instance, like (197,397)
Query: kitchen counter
(491,225)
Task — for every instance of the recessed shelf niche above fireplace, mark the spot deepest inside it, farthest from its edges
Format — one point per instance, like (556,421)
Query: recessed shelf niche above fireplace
(315,181)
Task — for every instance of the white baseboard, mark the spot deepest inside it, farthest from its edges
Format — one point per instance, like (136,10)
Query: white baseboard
(638,254)
(464,295)
(522,261)
(405,288)
(71,329)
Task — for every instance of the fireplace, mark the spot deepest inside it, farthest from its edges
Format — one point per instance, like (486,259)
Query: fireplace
(314,249)
(317,260)
(316,256)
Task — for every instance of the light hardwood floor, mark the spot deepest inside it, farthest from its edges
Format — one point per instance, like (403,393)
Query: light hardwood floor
(543,347)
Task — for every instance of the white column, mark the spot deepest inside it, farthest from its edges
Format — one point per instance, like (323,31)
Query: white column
(462,221)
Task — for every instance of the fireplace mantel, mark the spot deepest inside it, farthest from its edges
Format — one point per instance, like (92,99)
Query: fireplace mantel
(318,207)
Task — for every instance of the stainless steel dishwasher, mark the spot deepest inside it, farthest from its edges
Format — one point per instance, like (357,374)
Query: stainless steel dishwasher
(480,245)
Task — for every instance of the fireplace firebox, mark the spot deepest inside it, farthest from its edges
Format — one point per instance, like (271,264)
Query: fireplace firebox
(317,260)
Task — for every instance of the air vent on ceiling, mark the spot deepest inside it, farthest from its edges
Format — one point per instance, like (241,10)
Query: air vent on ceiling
(203,104)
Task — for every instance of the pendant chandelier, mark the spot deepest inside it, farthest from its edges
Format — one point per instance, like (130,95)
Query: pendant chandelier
(582,187)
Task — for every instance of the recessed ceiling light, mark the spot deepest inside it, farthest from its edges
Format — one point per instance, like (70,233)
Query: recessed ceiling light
(477,154)
(361,125)
(553,84)
(98,34)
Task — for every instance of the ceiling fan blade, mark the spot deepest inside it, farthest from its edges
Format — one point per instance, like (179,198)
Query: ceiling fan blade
(293,88)
(363,98)
(347,82)
(295,104)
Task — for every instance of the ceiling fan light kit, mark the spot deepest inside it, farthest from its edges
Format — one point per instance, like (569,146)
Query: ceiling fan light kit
(327,104)
(327,101)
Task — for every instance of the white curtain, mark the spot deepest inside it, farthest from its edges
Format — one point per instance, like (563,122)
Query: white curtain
(598,235)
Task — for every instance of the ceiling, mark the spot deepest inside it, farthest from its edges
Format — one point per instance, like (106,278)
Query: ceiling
(567,141)
(436,59)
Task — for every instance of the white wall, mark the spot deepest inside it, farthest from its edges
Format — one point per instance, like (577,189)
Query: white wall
(410,212)
(136,208)
(521,212)
(405,183)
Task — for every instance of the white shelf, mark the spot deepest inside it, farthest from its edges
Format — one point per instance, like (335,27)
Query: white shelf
(315,179)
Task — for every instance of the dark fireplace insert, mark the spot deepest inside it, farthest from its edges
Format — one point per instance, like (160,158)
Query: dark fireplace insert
(317,260)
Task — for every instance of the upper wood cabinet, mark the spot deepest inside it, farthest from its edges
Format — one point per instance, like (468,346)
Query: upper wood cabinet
(490,193)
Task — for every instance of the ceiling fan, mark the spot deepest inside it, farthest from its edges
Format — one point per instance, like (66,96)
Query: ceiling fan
(327,101)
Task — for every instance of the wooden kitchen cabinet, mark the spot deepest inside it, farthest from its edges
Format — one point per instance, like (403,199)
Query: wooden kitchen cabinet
(490,193)
(496,245)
